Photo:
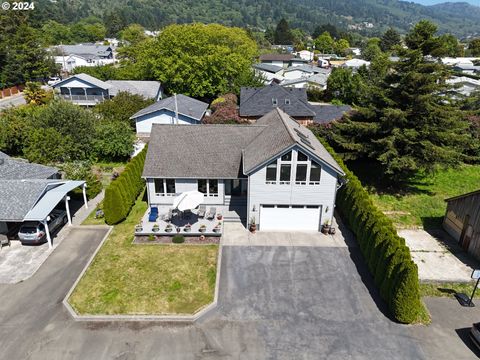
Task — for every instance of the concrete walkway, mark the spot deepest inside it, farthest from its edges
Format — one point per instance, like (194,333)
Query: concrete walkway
(19,262)
(434,258)
(235,234)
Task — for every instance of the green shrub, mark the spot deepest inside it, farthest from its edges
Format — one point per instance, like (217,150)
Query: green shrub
(178,239)
(121,194)
(387,256)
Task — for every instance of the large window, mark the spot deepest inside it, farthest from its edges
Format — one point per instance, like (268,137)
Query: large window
(301,175)
(272,172)
(164,187)
(209,187)
(315,171)
(285,173)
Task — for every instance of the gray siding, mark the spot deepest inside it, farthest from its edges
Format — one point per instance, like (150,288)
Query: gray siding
(323,194)
(182,185)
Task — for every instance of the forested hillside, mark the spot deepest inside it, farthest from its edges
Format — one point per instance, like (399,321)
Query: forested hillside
(460,19)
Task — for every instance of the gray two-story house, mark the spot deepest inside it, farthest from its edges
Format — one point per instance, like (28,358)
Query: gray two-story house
(277,168)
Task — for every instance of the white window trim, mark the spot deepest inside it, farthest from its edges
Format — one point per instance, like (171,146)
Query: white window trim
(293,170)
(208,188)
(164,181)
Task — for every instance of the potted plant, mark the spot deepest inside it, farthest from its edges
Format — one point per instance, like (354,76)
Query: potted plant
(253,225)
(168,228)
(203,228)
(155,228)
(202,238)
(187,228)
(219,216)
(139,228)
(326,227)
(218,227)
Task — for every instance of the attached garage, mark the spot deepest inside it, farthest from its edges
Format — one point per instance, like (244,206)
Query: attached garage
(290,217)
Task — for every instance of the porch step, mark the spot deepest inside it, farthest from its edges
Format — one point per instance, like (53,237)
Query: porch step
(234,219)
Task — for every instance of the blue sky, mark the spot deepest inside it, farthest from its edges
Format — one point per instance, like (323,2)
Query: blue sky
(431,2)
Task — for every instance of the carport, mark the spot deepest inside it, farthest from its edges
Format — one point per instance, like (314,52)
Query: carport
(52,197)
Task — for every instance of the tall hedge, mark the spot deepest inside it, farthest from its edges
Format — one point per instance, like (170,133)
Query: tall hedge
(121,194)
(385,253)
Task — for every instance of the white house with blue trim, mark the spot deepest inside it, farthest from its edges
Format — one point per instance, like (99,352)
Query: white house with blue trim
(178,110)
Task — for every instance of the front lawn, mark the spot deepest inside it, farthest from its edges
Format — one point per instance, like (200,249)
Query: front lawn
(423,205)
(146,279)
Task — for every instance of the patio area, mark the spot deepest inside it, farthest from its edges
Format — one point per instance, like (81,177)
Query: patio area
(186,223)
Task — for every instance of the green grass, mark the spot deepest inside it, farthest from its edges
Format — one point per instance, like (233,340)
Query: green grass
(91,220)
(423,205)
(447,289)
(141,279)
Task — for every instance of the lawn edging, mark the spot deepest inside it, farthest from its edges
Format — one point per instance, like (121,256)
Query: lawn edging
(158,318)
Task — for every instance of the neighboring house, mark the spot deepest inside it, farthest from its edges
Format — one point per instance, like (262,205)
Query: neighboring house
(86,90)
(462,221)
(71,56)
(29,192)
(147,89)
(326,113)
(463,85)
(324,63)
(269,72)
(317,81)
(355,51)
(277,168)
(467,69)
(257,102)
(296,72)
(186,111)
(305,55)
(283,60)
(355,63)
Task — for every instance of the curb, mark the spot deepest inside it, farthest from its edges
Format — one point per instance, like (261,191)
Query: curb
(187,319)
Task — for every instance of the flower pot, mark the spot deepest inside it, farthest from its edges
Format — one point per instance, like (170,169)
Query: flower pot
(155,229)
(219,217)
(138,229)
(202,238)
(216,229)
(168,230)
(331,231)
(253,228)
(187,229)
(325,229)
(202,229)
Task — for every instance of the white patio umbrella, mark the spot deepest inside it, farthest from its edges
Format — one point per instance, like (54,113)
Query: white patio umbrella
(188,200)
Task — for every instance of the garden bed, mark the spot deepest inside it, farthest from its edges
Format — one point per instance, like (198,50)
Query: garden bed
(194,240)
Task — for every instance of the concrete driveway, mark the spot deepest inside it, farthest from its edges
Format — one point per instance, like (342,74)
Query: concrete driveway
(275,303)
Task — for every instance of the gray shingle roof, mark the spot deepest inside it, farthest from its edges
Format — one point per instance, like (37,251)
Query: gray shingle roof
(328,113)
(148,89)
(308,69)
(282,132)
(17,197)
(85,77)
(276,57)
(197,151)
(256,102)
(268,68)
(319,79)
(186,106)
(216,151)
(12,169)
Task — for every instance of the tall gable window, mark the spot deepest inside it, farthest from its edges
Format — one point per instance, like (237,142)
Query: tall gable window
(315,173)
(285,173)
(272,173)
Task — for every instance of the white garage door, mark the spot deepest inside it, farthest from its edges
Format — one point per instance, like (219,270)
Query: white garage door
(287,218)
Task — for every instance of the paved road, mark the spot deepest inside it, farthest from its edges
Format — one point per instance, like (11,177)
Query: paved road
(275,303)
(15,100)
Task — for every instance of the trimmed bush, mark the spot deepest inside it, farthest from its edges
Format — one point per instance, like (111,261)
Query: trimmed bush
(387,256)
(121,194)
(178,239)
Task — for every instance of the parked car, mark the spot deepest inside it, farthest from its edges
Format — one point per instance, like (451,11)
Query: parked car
(475,334)
(53,80)
(33,232)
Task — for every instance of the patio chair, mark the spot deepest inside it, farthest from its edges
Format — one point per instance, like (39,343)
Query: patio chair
(211,213)
(152,217)
(168,216)
(202,209)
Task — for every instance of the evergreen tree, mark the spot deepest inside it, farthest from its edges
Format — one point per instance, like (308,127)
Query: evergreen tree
(390,39)
(283,35)
(409,124)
